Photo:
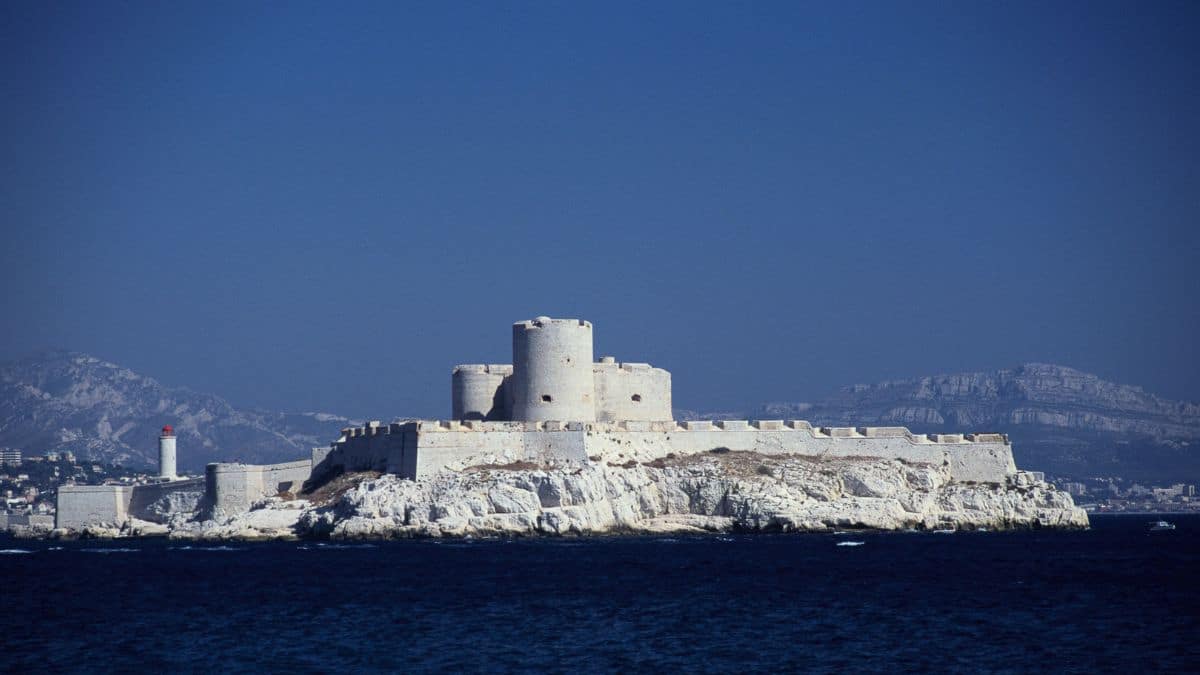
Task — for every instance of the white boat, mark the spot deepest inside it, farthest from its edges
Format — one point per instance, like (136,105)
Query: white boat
(1161,525)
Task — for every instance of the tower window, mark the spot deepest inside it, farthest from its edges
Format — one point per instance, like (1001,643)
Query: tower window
(637,398)
(546,398)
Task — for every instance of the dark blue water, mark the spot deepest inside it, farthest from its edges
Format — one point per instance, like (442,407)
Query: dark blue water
(1115,598)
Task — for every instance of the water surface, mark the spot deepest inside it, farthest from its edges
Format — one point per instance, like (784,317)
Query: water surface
(1115,598)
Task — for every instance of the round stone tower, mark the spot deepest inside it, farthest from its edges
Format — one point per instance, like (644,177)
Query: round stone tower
(552,370)
(477,392)
(166,453)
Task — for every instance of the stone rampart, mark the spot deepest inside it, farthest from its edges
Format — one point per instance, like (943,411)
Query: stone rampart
(78,506)
(113,505)
(10,521)
(233,488)
(420,449)
(376,446)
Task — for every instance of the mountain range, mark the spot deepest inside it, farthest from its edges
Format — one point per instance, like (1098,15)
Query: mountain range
(1062,421)
(60,401)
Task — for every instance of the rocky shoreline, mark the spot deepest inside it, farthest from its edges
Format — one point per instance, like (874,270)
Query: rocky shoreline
(708,493)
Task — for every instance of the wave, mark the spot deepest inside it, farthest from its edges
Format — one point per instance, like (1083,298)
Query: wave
(206,548)
(110,550)
(342,546)
(851,543)
(13,551)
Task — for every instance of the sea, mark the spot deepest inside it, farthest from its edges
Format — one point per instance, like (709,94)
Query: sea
(1115,598)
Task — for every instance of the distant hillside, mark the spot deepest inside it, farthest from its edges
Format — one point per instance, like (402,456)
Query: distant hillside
(1061,420)
(99,410)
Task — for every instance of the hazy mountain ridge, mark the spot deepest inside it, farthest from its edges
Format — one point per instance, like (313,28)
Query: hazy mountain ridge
(100,410)
(1060,419)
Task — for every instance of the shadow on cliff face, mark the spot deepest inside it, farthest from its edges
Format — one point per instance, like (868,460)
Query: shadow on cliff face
(329,488)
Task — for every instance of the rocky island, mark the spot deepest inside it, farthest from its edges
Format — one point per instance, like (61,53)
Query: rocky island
(722,492)
(559,444)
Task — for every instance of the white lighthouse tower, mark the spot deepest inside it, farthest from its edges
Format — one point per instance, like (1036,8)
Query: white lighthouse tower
(166,453)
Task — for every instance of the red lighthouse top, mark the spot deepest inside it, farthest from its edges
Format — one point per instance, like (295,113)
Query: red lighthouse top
(168,430)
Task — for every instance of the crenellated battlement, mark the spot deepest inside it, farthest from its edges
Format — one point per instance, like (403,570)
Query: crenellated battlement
(545,322)
(489,368)
(376,428)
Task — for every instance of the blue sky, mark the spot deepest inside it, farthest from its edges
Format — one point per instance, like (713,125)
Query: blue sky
(327,206)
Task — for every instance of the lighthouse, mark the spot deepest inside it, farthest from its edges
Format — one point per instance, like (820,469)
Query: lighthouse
(166,453)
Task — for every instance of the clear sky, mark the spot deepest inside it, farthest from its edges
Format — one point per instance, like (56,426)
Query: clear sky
(327,206)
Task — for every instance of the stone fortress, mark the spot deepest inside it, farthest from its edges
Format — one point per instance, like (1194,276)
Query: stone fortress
(554,405)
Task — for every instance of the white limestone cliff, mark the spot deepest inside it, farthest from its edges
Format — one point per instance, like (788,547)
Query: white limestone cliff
(711,492)
(705,493)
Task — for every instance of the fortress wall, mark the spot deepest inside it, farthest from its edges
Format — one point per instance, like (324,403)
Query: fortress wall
(981,458)
(480,392)
(631,391)
(645,445)
(78,506)
(232,488)
(456,446)
(981,461)
(402,449)
(987,459)
(36,521)
(364,448)
(379,447)
(421,449)
(155,502)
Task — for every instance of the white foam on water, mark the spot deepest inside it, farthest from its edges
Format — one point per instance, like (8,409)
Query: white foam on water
(344,546)
(206,548)
(851,543)
(110,550)
(13,551)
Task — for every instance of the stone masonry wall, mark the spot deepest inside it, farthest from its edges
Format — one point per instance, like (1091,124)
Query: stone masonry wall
(232,488)
(631,391)
(420,449)
(78,506)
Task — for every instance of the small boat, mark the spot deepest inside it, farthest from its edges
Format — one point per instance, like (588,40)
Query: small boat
(1161,525)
